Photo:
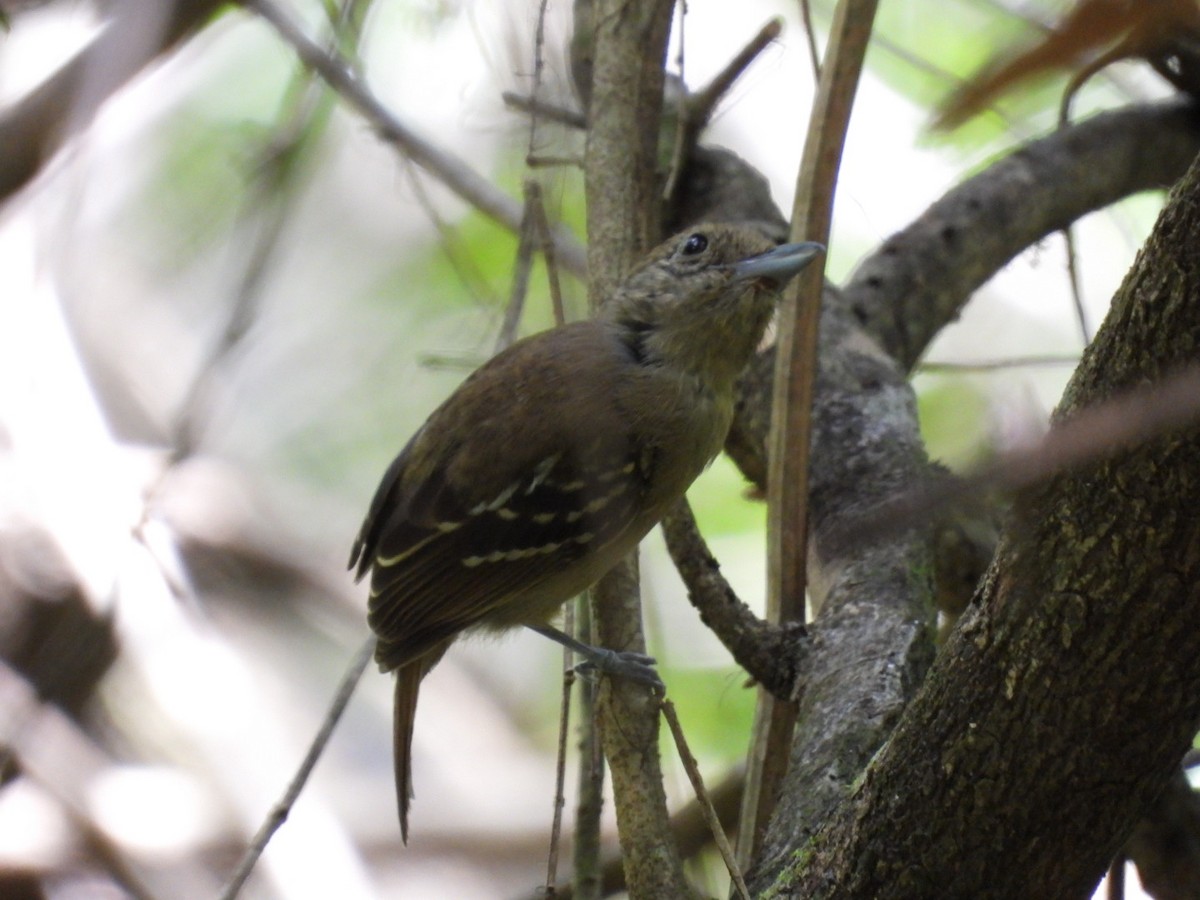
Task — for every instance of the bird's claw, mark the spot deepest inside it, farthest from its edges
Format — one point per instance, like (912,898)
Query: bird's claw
(637,667)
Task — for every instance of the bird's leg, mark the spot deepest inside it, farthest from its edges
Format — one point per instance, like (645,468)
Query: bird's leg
(635,666)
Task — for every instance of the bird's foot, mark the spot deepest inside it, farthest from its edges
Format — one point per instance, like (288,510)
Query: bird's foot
(637,667)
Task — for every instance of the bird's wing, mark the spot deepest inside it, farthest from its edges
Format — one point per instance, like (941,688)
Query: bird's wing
(457,528)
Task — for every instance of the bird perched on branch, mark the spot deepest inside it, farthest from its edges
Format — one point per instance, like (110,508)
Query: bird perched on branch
(552,460)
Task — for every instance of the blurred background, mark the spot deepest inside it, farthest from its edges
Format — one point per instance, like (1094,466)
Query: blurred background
(226,303)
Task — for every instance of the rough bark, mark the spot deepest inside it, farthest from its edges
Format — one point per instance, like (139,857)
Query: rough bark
(1060,708)
(624,109)
(872,640)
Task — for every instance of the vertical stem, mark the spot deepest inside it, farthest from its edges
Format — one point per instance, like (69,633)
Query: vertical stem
(796,366)
(589,880)
(621,183)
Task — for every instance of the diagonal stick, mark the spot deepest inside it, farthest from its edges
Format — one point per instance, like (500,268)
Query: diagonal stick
(279,813)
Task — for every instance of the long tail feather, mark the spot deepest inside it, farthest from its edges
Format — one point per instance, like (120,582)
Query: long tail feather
(408,686)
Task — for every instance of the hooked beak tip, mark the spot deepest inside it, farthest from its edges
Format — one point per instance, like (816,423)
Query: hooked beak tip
(779,264)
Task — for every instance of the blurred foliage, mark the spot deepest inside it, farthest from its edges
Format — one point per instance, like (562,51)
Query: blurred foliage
(722,501)
(953,413)
(366,322)
(716,709)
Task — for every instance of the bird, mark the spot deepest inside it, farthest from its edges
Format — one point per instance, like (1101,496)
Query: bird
(552,460)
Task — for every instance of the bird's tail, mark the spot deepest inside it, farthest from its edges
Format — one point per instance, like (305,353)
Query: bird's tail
(408,686)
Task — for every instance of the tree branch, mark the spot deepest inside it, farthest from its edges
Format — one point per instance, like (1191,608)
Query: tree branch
(769,653)
(1043,692)
(621,184)
(33,130)
(790,435)
(439,162)
(920,278)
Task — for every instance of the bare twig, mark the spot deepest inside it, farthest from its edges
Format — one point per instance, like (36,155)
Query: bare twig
(700,105)
(539,65)
(1116,879)
(548,111)
(560,768)
(521,268)
(791,428)
(766,651)
(283,808)
(449,169)
(689,826)
(534,235)
(1068,233)
(546,245)
(1081,316)
(465,266)
(696,109)
(706,807)
(680,143)
(1088,436)
(588,877)
(265,210)
(811,34)
(988,365)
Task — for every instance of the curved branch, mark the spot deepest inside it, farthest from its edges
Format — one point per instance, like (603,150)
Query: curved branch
(920,278)
(34,129)
(1043,692)
(769,653)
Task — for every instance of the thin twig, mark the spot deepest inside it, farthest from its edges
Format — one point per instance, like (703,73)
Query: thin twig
(696,109)
(1087,436)
(560,769)
(680,145)
(1081,316)
(810,32)
(539,64)
(546,245)
(535,107)
(464,264)
(989,365)
(521,269)
(768,652)
(1116,878)
(267,205)
(1068,233)
(586,862)
(795,374)
(701,104)
(706,808)
(451,170)
(555,162)
(279,813)
(548,111)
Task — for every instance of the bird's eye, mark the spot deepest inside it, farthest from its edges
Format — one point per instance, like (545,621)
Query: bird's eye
(696,243)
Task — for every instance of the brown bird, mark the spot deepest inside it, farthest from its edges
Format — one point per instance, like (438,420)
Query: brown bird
(553,459)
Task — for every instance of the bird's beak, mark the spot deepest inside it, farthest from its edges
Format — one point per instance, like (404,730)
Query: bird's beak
(777,265)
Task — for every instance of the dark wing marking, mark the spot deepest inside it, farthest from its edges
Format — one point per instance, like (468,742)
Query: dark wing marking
(425,590)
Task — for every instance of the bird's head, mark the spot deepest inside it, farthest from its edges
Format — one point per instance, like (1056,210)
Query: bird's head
(702,300)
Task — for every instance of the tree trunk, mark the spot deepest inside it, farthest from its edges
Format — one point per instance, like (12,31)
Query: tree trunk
(1061,706)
